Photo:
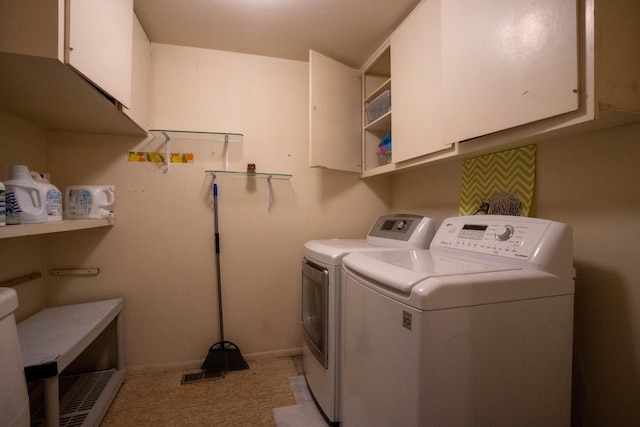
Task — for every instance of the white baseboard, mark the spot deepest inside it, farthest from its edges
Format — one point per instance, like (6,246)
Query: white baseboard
(195,364)
(289,352)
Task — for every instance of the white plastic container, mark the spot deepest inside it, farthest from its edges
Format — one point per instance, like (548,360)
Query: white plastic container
(52,197)
(28,194)
(89,201)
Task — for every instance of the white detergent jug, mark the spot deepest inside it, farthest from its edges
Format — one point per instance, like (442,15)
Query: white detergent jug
(89,201)
(28,195)
(52,196)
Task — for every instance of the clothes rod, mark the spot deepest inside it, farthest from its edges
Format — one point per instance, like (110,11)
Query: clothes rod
(22,279)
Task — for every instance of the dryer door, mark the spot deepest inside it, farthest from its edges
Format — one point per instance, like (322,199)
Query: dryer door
(315,309)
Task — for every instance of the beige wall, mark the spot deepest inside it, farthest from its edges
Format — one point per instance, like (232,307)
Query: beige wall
(160,254)
(591,182)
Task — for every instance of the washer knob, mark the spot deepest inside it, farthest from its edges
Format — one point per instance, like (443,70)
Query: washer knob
(504,232)
(401,225)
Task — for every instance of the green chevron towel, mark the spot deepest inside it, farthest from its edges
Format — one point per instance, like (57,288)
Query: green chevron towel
(512,171)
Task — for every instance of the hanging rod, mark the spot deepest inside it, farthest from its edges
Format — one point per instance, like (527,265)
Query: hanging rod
(22,279)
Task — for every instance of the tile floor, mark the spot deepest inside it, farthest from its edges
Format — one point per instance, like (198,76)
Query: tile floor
(304,413)
(271,393)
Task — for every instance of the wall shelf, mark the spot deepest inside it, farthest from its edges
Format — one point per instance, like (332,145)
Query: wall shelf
(20,230)
(177,135)
(261,175)
(199,136)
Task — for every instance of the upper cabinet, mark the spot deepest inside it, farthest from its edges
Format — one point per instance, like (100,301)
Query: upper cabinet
(506,63)
(67,65)
(522,72)
(100,44)
(416,62)
(334,114)
(466,77)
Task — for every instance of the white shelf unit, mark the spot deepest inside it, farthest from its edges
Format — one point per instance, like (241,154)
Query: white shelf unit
(20,230)
(376,79)
(51,339)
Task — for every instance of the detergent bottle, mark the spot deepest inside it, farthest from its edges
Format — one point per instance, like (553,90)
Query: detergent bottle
(52,196)
(26,195)
(89,201)
(3,206)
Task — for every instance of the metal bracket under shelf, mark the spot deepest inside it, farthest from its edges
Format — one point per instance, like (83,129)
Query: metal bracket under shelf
(75,272)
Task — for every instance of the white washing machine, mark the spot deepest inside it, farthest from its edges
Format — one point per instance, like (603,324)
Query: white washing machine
(321,295)
(476,331)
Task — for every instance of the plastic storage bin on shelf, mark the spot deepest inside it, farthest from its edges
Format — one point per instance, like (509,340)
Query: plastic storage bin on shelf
(379,106)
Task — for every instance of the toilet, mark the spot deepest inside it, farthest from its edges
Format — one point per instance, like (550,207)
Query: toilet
(14,399)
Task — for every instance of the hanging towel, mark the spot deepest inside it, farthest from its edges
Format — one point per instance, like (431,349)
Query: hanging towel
(511,171)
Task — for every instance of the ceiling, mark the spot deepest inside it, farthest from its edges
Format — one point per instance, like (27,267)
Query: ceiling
(346,30)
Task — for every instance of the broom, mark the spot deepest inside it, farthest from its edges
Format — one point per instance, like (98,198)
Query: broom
(224,355)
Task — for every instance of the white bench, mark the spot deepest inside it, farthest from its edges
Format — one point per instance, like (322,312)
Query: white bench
(52,338)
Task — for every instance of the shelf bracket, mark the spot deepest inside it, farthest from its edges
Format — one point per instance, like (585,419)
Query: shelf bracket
(269,193)
(226,153)
(167,150)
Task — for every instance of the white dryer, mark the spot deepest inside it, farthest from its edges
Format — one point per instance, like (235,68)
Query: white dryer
(321,295)
(476,331)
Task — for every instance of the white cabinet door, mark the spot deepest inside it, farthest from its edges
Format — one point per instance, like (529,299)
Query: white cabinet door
(334,114)
(507,63)
(417,80)
(100,44)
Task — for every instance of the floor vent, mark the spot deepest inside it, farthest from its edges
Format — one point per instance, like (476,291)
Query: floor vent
(78,395)
(201,376)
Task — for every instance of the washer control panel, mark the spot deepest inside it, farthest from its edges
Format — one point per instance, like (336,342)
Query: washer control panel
(512,237)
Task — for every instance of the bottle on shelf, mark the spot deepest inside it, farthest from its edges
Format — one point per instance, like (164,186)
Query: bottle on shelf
(3,206)
(52,196)
(25,198)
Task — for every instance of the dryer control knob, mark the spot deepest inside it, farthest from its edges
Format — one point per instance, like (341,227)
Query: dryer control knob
(504,232)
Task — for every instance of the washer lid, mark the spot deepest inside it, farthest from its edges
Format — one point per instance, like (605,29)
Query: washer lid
(404,269)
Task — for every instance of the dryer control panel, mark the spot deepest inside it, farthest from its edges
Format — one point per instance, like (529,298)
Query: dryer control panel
(403,230)
(505,236)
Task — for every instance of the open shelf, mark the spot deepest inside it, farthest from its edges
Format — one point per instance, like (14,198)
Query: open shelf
(262,175)
(195,135)
(9,231)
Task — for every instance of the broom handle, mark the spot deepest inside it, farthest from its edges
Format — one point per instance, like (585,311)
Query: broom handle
(218,278)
